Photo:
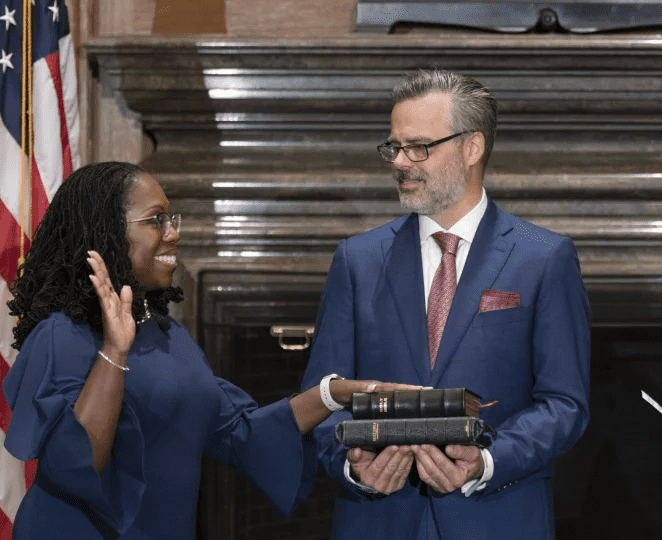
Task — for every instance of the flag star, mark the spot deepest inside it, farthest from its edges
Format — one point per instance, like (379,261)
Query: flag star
(55,10)
(8,17)
(5,61)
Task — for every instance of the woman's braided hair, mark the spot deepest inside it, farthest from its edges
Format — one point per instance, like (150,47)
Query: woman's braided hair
(88,212)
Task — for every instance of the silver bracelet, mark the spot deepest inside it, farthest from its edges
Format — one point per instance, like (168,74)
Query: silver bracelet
(325,393)
(123,368)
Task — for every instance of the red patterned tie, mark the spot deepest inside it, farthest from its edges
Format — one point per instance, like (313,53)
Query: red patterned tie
(442,291)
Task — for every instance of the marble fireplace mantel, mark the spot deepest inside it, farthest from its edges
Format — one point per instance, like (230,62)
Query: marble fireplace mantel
(267,146)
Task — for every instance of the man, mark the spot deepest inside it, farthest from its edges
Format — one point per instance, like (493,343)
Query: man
(517,331)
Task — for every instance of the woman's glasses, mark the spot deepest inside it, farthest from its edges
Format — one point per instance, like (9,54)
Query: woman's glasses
(164,221)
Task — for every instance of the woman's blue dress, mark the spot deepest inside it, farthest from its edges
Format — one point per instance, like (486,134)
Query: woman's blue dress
(174,410)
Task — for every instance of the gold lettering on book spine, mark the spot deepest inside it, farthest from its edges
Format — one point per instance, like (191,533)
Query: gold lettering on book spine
(375,432)
(383,405)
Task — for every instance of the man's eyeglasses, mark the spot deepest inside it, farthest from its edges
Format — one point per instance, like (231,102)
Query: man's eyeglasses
(414,152)
(164,221)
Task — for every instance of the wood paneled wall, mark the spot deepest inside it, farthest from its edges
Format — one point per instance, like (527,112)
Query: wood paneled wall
(243,17)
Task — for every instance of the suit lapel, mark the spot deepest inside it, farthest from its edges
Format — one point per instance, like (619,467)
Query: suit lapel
(489,251)
(404,272)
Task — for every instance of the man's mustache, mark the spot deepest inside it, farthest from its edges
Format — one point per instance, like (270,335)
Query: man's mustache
(405,174)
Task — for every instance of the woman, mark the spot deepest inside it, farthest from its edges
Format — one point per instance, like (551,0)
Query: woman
(119,413)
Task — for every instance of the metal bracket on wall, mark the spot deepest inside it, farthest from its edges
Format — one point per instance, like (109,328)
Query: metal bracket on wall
(293,332)
(512,17)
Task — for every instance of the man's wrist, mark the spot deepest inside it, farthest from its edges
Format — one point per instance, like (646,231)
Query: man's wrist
(360,485)
(488,471)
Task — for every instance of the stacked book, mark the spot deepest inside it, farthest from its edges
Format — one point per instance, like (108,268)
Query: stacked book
(430,416)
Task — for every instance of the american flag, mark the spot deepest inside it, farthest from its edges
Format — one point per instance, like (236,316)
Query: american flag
(27,185)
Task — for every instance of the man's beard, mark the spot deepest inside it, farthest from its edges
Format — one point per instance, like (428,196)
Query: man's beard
(436,195)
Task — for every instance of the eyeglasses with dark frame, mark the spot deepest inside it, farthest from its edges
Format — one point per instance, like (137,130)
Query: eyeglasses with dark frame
(414,152)
(164,221)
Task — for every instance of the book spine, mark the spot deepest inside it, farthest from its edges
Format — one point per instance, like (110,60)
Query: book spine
(439,402)
(439,431)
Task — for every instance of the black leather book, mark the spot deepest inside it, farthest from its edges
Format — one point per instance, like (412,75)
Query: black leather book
(399,431)
(437,402)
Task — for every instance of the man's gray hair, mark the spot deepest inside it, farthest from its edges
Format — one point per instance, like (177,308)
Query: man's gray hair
(473,107)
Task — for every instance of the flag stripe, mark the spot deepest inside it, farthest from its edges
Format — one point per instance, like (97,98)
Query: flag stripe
(10,161)
(40,200)
(46,128)
(5,526)
(30,471)
(53,63)
(12,487)
(5,413)
(7,352)
(70,98)
(11,243)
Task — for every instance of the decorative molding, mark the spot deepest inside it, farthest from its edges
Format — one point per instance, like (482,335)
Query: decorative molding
(578,17)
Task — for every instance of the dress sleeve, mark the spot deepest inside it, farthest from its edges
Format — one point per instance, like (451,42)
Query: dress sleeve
(41,389)
(265,444)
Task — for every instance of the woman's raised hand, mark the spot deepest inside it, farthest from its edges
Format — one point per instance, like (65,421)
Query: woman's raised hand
(119,328)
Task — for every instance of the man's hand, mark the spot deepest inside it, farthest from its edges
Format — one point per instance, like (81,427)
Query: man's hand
(438,470)
(386,472)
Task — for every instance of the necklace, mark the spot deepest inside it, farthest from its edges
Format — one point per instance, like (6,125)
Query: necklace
(148,314)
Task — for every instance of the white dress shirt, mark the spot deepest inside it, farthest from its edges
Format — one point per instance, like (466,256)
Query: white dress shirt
(431,254)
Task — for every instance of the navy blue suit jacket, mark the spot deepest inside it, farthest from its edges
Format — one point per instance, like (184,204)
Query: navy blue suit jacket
(533,358)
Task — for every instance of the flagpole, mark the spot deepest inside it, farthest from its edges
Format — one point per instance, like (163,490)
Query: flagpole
(26,126)
(30,120)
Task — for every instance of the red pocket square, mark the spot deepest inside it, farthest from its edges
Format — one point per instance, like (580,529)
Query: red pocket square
(493,300)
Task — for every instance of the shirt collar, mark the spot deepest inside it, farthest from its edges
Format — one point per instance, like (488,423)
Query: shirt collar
(465,228)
